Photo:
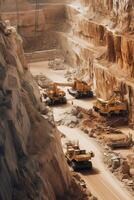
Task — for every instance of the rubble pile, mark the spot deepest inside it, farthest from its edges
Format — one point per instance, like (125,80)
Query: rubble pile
(70,118)
(57,64)
(93,124)
(121,167)
(96,126)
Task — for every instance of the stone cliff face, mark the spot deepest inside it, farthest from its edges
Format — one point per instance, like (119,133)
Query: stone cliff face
(119,12)
(32,164)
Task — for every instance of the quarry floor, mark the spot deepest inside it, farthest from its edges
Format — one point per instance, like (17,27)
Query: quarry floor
(101,182)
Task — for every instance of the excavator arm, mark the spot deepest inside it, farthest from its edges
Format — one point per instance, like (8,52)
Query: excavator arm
(74,83)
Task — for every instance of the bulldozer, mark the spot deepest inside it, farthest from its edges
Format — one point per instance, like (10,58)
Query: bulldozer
(116,105)
(79,89)
(78,159)
(126,143)
(55,96)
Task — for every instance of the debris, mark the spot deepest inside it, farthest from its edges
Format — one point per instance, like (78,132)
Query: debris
(57,64)
(42,81)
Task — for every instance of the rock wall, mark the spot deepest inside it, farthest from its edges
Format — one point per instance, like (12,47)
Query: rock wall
(32,164)
(119,12)
(12,5)
(36,26)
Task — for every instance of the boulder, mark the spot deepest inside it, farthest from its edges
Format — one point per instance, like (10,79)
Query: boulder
(74,111)
(125,167)
(115,163)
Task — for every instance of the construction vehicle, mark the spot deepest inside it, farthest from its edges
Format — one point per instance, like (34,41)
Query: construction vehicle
(79,89)
(115,105)
(78,159)
(55,96)
(126,143)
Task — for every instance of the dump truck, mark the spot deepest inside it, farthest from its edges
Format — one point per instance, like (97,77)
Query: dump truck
(55,95)
(79,89)
(126,143)
(115,105)
(78,158)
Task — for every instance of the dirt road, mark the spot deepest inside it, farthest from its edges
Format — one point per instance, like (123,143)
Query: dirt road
(101,182)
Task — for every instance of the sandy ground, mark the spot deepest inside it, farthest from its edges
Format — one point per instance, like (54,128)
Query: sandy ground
(101,182)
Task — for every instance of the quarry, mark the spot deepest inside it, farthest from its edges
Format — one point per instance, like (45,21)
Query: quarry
(66,100)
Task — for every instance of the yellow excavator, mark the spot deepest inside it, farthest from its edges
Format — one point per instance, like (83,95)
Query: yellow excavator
(55,96)
(79,89)
(78,159)
(115,105)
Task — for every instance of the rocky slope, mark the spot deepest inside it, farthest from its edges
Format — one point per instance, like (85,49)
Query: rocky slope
(32,164)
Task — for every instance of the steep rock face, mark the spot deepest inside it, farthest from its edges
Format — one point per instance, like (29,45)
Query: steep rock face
(120,12)
(119,48)
(30,149)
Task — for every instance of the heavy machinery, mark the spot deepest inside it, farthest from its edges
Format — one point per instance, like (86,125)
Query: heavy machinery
(55,95)
(79,89)
(78,159)
(127,142)
(115,105)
